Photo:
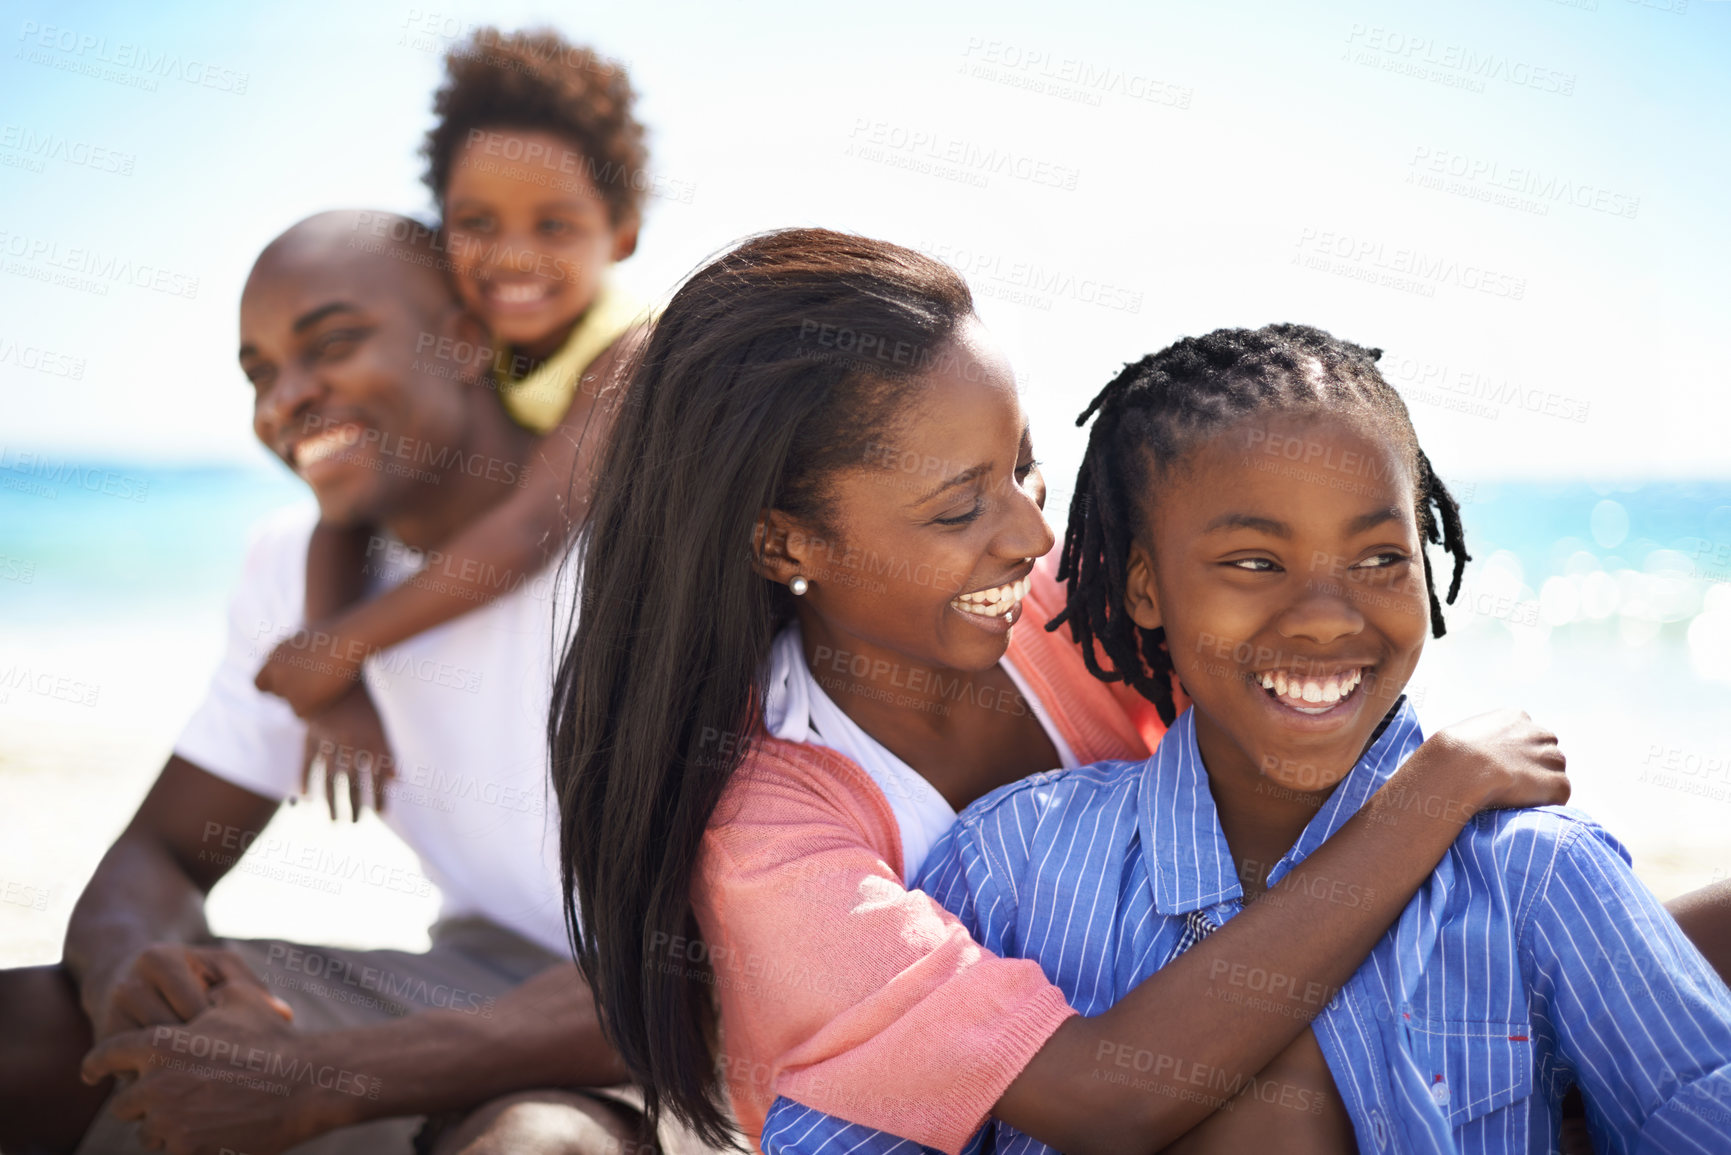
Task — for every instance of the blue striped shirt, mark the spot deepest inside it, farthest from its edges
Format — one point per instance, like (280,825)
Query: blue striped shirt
(1531,960)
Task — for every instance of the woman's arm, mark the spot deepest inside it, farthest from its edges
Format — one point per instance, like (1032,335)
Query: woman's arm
(1307,936)
(893,1017)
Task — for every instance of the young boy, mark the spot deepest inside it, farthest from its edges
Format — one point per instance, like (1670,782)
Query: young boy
(1266,505)
(538,165)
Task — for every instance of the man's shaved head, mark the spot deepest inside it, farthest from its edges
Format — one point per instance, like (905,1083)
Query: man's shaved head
(347,241)
(347,324)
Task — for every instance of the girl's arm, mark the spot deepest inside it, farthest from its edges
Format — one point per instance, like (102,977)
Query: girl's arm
(873,1004)
(494,555)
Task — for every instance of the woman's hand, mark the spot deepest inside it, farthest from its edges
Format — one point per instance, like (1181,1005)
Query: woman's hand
(1502,760)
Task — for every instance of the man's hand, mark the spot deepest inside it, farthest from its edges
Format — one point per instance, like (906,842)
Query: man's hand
(311,669)
(168,983)
(237,1076)
(348,738)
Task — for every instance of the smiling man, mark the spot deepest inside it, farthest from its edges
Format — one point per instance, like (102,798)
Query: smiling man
(487,1041)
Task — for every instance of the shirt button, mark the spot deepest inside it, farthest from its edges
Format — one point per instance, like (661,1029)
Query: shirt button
(1379,1129)
(1439,1092)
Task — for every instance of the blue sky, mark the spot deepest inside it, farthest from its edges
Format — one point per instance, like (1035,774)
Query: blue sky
(1523,202)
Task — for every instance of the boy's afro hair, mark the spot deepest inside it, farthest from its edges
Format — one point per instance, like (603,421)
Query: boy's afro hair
(536,80)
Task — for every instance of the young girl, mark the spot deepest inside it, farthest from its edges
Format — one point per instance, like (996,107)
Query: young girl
(1251,516)
(537,163)
(809,631)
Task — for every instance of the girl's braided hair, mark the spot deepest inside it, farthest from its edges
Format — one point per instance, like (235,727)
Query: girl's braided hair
(1157,409)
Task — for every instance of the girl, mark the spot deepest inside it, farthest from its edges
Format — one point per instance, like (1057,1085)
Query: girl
(537,163)
(1267,486)
(810,630)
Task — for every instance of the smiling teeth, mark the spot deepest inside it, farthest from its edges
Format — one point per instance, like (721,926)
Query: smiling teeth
(517,294)
(1311,691)
(993,603)
(314,449)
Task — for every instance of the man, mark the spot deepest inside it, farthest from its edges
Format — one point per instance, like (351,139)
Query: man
(258,1047)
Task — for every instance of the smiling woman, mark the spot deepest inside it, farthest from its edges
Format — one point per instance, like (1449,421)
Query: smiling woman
(809,628)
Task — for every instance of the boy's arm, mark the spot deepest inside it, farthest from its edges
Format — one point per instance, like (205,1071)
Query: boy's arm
(336,576)
(306,670)
(495,554)
(1639,1014)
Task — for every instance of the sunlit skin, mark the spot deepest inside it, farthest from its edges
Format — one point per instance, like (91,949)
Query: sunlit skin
(1309,570)
(328,334)
(950,503)
(529,238)
(1311,573)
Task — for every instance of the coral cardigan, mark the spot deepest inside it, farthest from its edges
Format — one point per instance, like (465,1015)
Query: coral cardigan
(839,987)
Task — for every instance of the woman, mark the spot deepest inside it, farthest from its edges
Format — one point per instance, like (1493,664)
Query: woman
(811,630)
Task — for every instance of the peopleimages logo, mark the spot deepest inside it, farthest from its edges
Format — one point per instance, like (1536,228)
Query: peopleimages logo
(87,53)
(89,269)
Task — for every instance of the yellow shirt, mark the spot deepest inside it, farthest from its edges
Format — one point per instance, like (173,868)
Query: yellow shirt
(539,400)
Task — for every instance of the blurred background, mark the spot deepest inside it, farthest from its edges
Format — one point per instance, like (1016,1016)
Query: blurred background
(1522,202)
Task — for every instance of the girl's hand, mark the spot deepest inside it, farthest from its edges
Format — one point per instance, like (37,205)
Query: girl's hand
(1497,761)
(311,670)
(348,739)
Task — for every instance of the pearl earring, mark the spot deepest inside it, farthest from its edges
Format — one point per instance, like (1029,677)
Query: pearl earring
(798,585)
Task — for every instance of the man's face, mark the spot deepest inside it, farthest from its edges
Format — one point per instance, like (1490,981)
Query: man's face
(338,344)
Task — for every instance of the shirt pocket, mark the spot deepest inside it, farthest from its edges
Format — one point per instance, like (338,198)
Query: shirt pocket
(1472,1068)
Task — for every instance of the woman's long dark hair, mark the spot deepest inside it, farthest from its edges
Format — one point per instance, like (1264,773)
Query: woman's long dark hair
(773,366)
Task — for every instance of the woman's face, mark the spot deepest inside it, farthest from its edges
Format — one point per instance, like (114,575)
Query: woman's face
(529,234)
(934,534)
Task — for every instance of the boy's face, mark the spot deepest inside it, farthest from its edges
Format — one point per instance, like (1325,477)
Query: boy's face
(1283,559)
(529,234)
(328,335)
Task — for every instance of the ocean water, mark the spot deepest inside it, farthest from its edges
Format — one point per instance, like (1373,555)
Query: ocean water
(82,540)
(1604,610)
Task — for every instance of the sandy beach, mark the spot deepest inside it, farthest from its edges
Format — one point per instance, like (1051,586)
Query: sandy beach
(1642,747)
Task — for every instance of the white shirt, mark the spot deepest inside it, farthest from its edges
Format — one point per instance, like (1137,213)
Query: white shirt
(796,709)
(464,707)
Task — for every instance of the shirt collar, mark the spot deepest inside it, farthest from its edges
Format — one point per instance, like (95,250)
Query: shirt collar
(1189,864)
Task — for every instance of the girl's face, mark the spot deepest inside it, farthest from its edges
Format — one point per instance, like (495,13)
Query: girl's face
(1283,559)
(529,235)
(934,534)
